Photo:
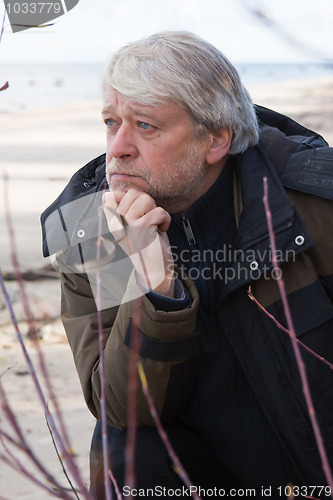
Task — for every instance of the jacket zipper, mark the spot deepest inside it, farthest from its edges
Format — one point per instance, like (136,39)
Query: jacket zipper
(188,230)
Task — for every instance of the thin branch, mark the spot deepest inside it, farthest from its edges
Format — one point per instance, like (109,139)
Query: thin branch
(135,368)
(14,259)
(130,475)
(281,327)
(61,460)
(18,466)
(132,390)
(28,313)
(34,25)
(62,440)
(301,45)
(23,445)
(64,450)
(114,482)
(101,369)
(298,357)
(178,467)
(10,439)
(3,23)
(5,371)
(6,85)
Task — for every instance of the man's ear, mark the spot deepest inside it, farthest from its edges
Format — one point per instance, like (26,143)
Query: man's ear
(219,146)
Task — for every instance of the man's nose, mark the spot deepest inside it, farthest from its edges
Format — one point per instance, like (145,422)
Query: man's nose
(122,143)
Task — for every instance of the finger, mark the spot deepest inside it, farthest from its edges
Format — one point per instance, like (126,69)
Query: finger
(135,204)
(110,206)
(138,209)
(109,203)
(112,198)
(118,195)
(157,217)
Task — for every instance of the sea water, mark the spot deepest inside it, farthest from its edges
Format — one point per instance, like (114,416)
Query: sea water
(33,86)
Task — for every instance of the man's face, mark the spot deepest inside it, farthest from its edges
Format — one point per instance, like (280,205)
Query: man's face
(154,149)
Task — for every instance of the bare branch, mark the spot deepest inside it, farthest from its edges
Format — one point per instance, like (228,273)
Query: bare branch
(281,327)
(60,459)
(130,476)
(178,467)
(62,440)
(23,446)
(101,369)
(302,46)
(298,357)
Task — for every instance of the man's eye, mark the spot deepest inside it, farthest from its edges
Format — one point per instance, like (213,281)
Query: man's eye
(109,122)
(145,125)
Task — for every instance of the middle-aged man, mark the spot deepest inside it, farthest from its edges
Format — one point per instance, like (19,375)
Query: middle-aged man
(182,237)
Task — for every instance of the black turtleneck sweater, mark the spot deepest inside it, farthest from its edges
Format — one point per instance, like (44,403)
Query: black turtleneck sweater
(223,408)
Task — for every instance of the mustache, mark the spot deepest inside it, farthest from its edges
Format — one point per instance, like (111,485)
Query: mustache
(117,165)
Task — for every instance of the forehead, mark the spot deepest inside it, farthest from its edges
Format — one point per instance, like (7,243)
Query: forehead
(117,103)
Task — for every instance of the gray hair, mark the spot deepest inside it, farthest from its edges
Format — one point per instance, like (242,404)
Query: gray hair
(181,67)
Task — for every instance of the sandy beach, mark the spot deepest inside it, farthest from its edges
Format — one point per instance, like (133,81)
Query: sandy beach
(39,151)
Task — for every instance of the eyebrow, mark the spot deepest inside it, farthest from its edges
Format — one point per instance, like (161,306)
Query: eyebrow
(145,114)
(135,112)
(105,111)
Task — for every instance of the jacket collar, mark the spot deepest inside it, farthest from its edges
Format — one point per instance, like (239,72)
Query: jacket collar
(77,203)
(252,250)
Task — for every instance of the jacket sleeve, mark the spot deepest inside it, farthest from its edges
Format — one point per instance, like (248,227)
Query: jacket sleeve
(168,341)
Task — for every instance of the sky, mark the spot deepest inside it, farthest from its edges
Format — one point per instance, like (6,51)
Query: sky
(285,31)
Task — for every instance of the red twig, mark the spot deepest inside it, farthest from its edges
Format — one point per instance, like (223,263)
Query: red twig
(14,259)
(19,467)
(135,365)
(298,357)
(34,25)
(135,368)
(113,479)
(3,24)
(23,446)
(61,460)
(6,85)
(179,469)
(101,368)
(62,440)
(281,327)
(27,357)
(130,476)
(29,316)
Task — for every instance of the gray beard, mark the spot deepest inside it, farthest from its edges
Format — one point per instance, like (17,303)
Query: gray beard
(177,188)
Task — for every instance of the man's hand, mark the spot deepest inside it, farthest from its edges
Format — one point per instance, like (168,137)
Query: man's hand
(140,228)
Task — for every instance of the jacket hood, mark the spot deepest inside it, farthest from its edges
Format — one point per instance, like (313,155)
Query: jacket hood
(286,125)
(301,158)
